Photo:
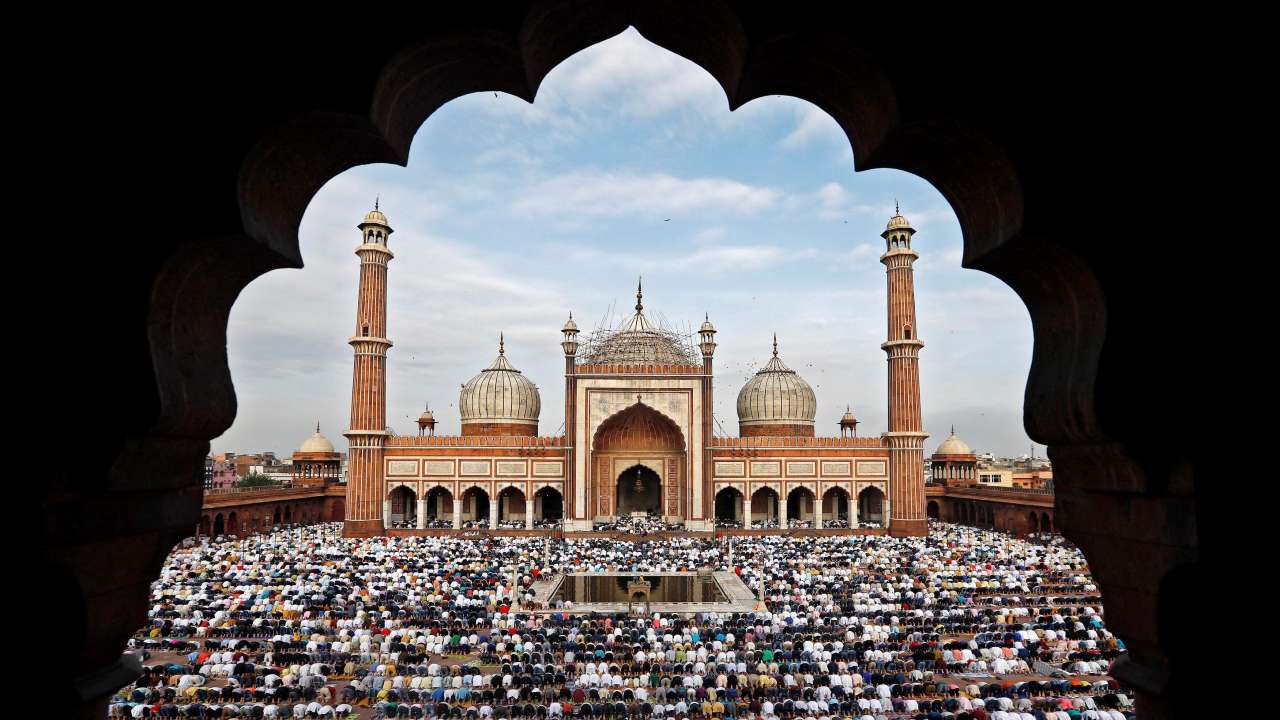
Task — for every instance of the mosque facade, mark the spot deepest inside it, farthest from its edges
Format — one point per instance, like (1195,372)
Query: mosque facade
(638,434)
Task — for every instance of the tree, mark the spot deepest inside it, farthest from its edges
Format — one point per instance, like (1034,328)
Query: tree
(255,480)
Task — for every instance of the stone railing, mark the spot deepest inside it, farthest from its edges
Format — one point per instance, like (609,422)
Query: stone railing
(763,442)
(466,441)
(640,369)
(241,490)
(1038,496)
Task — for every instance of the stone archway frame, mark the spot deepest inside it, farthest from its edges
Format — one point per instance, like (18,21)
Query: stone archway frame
(605,421)
(810,485)
(785,54)
(602,500)
(774,485)
(722,485)
(500,486)
(826,488)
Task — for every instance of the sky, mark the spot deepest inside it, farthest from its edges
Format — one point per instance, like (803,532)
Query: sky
(511,215)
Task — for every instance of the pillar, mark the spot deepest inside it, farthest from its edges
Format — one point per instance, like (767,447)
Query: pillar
(782,513)
(386,513)
(493,512)
(422,513)
(457,513)
(817,511)
(528,513)
(746,510)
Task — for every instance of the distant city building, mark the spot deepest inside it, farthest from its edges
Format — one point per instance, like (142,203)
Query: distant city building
(219,474)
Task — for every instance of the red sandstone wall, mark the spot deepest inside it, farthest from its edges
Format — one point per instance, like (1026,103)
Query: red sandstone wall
(801,430)
(483,428)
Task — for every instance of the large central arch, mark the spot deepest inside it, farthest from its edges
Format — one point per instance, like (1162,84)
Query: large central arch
(638,443)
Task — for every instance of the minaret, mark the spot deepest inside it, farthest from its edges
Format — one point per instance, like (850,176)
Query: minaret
(570,513)
(368,434)
(905,438)
(707,335)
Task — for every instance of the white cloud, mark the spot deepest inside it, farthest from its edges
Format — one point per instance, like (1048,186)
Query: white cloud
(585,194)
(710,259)
(709,236)
(812,124)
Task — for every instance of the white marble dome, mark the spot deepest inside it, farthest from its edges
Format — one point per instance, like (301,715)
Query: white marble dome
(777,395)
(500,394)
(953,446)
(317,443)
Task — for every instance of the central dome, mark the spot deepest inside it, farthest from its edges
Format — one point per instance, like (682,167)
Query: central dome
(639,342)
(500,400)
(777,401)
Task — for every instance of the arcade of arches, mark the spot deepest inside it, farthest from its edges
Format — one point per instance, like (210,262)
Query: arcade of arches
(801,510)
(245,513)
(1129,491)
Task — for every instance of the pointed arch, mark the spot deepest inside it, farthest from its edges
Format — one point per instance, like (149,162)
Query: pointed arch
(638,427)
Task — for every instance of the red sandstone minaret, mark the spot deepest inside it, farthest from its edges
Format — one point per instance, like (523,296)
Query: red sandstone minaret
(905,438)
(367,436)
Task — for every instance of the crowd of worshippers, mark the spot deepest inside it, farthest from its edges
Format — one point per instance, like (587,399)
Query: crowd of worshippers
(304,623)
(638,524)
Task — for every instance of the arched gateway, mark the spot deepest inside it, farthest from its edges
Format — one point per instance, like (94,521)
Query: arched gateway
(638,453)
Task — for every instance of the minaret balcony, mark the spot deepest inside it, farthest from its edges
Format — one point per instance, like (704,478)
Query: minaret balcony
(357,340)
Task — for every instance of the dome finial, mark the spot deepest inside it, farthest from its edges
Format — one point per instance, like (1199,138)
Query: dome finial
(502,345)
(640,294)
(896,209)
(953,428)
(775,344)
(377,200)
(317,427)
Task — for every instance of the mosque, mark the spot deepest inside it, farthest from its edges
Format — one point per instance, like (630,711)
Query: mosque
(638,434)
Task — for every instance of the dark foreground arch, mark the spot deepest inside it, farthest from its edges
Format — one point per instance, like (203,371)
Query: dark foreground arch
(1048,154)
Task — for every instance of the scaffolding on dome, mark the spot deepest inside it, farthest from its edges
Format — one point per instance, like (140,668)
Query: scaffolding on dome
(637,341)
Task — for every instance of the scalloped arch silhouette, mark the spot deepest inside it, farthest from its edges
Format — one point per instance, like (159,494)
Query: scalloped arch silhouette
(187,393)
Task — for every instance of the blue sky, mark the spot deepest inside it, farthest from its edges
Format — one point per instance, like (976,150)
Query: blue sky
(510,215)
